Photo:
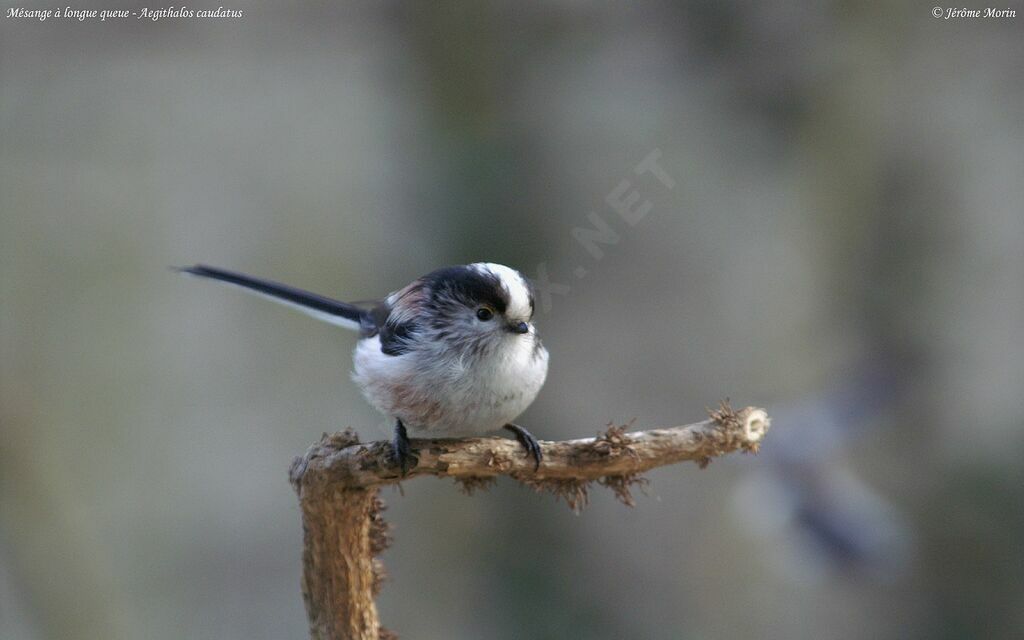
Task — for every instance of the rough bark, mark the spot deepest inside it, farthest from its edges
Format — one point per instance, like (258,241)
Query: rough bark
(338,479)
(338,575)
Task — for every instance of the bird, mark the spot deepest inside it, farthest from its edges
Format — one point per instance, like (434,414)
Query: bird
(454,353)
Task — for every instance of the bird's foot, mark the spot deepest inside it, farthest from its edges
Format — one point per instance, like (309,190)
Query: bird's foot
(401,450)
(529,443)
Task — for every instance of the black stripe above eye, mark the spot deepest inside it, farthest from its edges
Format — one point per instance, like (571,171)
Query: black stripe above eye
(468,286)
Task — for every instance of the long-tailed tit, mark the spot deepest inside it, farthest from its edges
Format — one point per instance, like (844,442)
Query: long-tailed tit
(454,353)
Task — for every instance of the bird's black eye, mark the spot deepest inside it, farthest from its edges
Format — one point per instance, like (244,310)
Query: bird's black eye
(485,314)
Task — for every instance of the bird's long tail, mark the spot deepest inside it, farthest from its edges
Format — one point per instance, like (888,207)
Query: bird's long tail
(320,307)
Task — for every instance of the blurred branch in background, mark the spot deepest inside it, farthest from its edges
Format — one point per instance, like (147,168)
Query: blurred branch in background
(823,517)
(338,479)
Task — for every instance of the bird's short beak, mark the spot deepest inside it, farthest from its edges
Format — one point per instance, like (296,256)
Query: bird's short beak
(519,327)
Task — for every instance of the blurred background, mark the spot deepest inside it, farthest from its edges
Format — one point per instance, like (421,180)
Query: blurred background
(836,236)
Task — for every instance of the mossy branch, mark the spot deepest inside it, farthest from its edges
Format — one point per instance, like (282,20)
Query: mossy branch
(338,479)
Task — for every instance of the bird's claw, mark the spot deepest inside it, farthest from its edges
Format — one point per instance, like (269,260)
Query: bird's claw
(401,449)
(529,443)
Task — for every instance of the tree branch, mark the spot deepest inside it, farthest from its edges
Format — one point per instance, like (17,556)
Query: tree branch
(340,459)
(338,479)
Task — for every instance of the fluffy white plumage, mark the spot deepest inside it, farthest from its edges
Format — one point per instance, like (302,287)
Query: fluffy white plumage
(455,395)
(441,389)
(452,354)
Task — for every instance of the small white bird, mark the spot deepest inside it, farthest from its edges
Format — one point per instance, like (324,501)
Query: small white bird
(454,353)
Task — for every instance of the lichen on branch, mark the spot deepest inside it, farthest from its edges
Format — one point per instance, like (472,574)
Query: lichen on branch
(338,479)
(340,459)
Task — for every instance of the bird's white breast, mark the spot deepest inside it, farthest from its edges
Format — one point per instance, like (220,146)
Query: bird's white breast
(438,392)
